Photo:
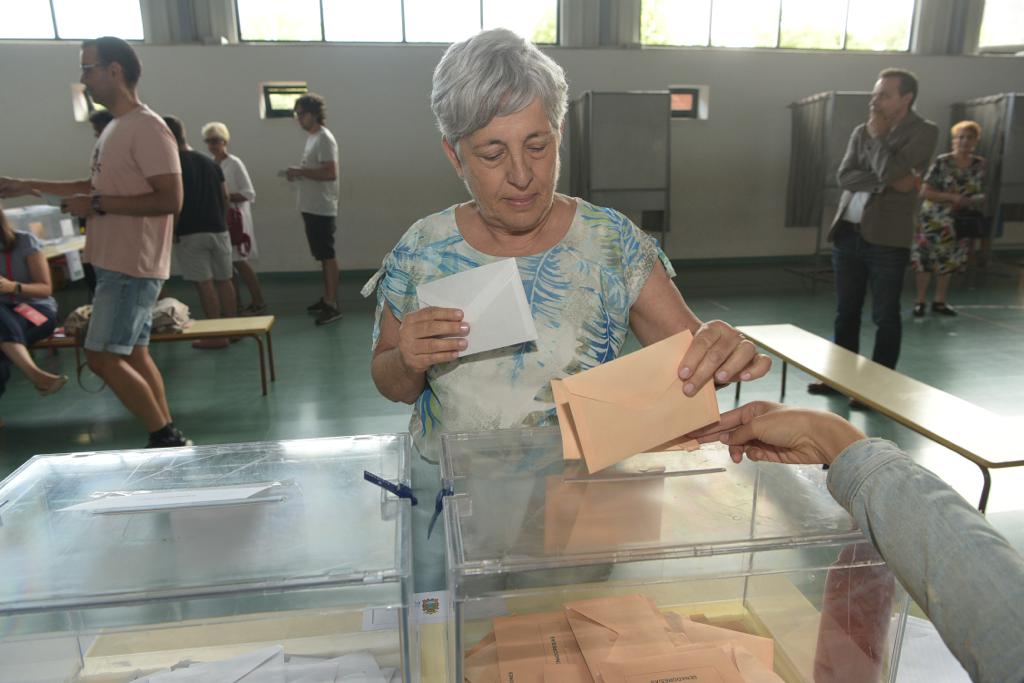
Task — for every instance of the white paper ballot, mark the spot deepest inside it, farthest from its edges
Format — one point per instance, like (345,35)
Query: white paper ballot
(75,270)
(143,501)
(226,671)
(493,303)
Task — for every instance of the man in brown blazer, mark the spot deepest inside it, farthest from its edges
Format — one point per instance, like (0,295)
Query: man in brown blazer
(874,227)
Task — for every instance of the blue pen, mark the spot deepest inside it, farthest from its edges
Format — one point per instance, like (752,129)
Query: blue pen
(400,490)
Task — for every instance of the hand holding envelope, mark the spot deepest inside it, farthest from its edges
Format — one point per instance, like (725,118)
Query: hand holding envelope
(493,303)
(631,405)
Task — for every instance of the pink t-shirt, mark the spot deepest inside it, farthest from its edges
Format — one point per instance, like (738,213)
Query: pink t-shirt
(132,148)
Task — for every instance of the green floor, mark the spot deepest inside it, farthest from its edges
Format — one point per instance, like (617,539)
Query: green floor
(324,387)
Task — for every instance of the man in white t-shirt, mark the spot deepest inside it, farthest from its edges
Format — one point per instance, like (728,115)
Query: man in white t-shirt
(317,177)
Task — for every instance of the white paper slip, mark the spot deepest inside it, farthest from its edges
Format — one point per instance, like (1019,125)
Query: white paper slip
(67,228)
(147,501)
(75,270)
(493,303)
(226,671)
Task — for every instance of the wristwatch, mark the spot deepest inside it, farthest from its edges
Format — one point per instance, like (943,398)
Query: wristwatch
(96,205)
(17,288)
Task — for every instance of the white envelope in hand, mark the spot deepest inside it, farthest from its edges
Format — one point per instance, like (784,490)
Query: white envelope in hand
(493,303)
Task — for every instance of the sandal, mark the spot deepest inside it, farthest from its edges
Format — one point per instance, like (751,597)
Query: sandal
(56,386)
(253,309)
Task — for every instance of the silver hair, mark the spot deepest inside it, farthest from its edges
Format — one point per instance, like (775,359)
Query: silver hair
(494,73)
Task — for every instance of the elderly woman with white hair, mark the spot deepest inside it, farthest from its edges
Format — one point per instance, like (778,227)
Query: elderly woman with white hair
(590,275)
(242,195)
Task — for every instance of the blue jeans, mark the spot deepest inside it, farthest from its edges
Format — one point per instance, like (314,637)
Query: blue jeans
(860,265)
(122,309)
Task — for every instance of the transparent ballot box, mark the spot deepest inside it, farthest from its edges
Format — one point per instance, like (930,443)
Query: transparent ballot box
(250,562)
(46,222)
(665,566)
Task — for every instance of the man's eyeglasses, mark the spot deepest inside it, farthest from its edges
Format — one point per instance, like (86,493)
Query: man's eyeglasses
(86,68)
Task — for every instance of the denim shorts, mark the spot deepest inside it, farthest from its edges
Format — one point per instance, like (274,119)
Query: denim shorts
(122,312)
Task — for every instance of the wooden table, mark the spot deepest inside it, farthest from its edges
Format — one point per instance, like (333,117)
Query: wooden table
(984,438)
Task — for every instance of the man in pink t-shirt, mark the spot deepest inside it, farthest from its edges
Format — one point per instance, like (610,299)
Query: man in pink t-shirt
(130,202)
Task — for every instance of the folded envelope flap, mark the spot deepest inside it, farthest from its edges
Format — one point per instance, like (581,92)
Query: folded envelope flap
(640,378)
(502,284)
(595,617)
(467,287)
(428,297)
(620,614)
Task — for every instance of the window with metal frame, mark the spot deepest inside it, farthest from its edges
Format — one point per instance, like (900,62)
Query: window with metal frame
(279,99)
(72,20)
(870,25)
(1002,26)
(393,21)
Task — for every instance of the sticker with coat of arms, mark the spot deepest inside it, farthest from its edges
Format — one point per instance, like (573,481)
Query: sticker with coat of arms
(431,607)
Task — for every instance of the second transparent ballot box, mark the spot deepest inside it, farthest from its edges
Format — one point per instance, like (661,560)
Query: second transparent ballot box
(658,568)
(252,562)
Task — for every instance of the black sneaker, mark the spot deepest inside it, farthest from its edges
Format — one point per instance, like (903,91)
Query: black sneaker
(943,308)
(918,310)
(821,389)
(327,315)
(174,440)
(315,308)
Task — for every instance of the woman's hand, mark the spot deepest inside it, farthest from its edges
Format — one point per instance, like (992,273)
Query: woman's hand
(770,431)
(423,337)
(6,286)
(719,351)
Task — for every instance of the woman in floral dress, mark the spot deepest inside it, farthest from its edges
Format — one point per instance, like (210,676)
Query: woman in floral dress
(954,182)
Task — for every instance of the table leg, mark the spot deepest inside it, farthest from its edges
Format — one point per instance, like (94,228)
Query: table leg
(263,365)
(782,393)
(738,383)
(270,357)
(986,488)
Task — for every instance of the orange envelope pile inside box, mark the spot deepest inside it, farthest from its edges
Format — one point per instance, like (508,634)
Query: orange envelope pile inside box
(634,404)
(621,639)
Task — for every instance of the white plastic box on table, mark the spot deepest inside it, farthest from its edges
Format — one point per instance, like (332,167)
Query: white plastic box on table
(115,565)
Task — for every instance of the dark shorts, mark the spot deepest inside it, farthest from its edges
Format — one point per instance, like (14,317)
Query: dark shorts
(320,235)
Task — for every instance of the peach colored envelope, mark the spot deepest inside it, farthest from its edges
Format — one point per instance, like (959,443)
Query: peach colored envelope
(619,628)
(538,648)
(480,664)
(601,515)
(693,664)
(630,405)
(696,632)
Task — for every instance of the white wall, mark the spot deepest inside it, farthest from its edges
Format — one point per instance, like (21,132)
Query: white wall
(729,172)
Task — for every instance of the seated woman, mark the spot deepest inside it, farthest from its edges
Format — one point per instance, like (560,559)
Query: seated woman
(589,274)
(27,311)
